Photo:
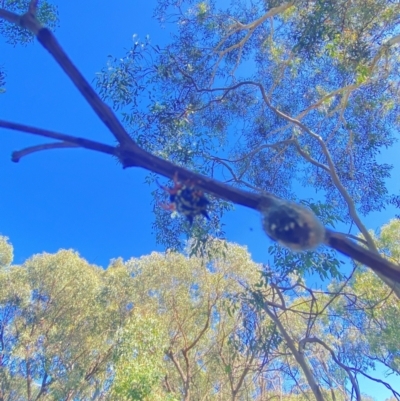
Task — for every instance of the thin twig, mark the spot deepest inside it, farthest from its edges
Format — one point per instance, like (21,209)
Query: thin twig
(81,142)
(342,365)
(33,6)
(18,155)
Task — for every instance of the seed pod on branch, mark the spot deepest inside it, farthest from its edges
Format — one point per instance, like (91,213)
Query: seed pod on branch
(292,225)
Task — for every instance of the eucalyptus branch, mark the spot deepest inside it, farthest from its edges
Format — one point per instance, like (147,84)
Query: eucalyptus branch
(309,158)
(79,142)
(204,329)
(49,42)
(235,178)
(17,156)
(135,156)
(300,358)
(171,356)
(387,385)
(250,27)
(355,238)
(131,155)
(348,370)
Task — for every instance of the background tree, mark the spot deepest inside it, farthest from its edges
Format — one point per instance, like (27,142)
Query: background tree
(209,346)
(60,320)
(285,222)
(169,326)
(281,322)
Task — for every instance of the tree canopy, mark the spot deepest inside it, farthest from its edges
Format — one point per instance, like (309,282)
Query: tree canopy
(141,72)
(168,326)
(271,96)
(292,101)
(294,98)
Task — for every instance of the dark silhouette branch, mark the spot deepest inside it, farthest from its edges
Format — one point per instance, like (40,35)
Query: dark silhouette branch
(363,255)
(131,155)
(79,142)
(106,115)
(9,16)
(18,155)
(49,42)
(387,385)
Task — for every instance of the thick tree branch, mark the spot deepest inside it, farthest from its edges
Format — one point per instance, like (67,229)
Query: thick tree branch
(344,245)
(132,155)
(48,41)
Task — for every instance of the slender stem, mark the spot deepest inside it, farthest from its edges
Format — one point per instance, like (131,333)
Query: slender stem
(82,142)
(33,6)
(17,156)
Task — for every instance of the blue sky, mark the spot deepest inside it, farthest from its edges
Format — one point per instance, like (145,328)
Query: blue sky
(79,199)
(75,198)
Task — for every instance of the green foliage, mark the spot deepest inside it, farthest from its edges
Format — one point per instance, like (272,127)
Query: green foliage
(169,326)
(325,262)
(344,29)
(381,307)
(190,296)
(59,327)
(326,63)
(139,367)
(389,240)
(2,81)
(6,252)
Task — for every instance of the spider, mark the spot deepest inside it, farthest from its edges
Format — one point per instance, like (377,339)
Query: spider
(186,199)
